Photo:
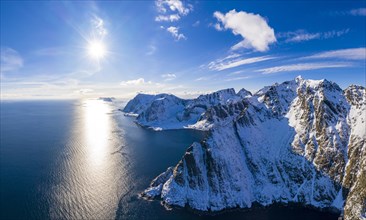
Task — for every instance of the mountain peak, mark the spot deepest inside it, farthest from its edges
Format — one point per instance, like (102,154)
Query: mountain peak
(298,79)
(355,94)
(244,93)
(355,87)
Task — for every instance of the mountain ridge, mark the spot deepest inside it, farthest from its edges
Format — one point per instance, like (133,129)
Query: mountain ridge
(299,141)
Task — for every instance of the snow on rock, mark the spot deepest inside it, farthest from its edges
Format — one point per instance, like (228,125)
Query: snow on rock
(299,141)
(355,173)
(140,103)
(157,184)
(244,162)
(166,111)
(220,97)
(319,116)
(163,113)
(243,93)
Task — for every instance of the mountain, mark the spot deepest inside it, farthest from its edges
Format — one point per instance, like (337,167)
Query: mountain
(301,141)
(140,103)
(166,111)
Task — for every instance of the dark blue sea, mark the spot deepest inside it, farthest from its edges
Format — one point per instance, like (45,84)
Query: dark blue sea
(85,160)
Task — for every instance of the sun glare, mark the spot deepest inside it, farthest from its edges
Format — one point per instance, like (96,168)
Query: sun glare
(96,50)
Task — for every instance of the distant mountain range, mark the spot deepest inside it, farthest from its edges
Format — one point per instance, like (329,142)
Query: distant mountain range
(301,141)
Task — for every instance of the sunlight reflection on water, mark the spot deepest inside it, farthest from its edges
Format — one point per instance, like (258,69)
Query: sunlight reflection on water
(90,178)
(97,129)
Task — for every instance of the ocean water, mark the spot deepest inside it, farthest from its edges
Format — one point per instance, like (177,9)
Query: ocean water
(85,160)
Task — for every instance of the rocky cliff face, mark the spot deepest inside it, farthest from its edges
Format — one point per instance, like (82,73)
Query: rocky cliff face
(355,172)
(300,141)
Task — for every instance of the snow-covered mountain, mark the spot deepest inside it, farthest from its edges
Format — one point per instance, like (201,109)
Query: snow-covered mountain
(166,111)
(140,103)
(300,141)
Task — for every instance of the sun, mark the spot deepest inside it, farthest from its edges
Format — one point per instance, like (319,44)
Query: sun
(96,49)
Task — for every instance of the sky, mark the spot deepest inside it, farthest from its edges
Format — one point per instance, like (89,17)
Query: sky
(77,49)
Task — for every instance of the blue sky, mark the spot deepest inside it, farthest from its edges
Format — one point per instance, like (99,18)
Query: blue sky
(180,47)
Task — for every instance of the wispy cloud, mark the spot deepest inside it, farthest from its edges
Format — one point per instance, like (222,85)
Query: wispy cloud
(196,24)
(202,78)
(358,12)
(51,51)
(84,91)
(303,35)
(237,78)
(254,29)
(169,76)
(35,86)
(174,31)
(352,12)
(206,78)
(136,82)
(347,54)
(234,60)
(10,60)
(171,10)
(302,67)
(98,25)
(237,72)
(151,51)
(299,36)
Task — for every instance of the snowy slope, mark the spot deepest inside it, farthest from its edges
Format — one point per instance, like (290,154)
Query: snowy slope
(170,112)
(165,112)
(355,175)
(299,141)
(140,103)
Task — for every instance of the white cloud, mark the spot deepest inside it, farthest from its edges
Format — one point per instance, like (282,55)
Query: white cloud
(175,33)
(348,54)
(10,60)
(171,6)
(171,18)
(302,67)
(218,27)
(257,34)
(302,35)
(169,76)
(135,82)
(232,61)
(358,12)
